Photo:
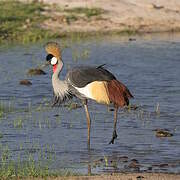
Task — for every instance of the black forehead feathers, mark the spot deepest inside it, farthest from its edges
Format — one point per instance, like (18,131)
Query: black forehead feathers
(49,57)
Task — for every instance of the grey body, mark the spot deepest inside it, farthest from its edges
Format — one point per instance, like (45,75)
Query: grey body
(83,75)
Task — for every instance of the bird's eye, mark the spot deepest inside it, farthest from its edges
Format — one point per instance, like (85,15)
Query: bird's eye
(53,61)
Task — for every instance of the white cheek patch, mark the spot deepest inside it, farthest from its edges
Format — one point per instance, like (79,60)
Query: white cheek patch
(53,61)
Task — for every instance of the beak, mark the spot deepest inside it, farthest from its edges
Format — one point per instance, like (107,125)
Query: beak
(45,64)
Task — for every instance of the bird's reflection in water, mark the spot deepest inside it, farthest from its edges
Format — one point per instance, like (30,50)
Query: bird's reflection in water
(114,163)
(89,168)
(89,162)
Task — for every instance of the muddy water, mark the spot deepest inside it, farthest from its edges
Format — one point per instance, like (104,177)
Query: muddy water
(148,65)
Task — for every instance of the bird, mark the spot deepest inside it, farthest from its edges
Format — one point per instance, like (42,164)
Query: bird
(86,83)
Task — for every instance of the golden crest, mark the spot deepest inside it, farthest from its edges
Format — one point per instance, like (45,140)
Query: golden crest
(54,49)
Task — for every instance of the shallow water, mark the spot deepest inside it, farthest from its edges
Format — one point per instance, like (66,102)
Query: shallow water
(149,67)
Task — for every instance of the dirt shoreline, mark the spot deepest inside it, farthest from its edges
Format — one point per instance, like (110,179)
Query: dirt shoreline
(120,176)
(117,16)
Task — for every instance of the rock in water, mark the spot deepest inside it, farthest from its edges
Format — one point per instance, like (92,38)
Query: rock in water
(163,133)
(36,72)
(25,82)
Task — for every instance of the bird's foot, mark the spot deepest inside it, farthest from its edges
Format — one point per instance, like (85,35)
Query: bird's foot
(53,104)
(114,136)
(55,101)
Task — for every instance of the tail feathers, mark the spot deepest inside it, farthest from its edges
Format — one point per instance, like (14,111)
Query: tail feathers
(119,94)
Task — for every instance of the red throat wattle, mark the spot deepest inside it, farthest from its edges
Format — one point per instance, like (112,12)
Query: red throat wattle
(54,68)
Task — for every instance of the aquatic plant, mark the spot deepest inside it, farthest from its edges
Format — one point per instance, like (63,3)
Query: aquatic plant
(6,107)
(1,113)
(1,135)
(106,161)
(157,109)
(18,123)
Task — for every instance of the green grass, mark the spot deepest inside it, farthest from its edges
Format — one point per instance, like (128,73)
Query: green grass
(19,169)
(71,18)
(88,12)
(20,21)
(29,167)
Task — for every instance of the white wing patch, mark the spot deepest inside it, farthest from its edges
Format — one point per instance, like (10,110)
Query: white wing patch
(96,90)
(85,91)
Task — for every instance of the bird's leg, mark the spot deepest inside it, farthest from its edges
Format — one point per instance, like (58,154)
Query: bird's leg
(114,136)
(55,101)
(88,121)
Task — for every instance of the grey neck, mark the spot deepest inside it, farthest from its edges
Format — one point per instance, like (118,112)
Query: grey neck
(58,70)
(60,87)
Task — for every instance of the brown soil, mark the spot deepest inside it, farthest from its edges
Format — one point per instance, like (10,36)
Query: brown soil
(119,15)
(122,176)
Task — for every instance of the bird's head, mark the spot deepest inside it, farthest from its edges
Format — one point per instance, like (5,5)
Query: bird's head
(53,54)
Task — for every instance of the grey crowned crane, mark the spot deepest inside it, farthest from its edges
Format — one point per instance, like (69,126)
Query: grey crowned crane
(86,82)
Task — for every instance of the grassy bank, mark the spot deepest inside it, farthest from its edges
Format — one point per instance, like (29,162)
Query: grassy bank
(21,22)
